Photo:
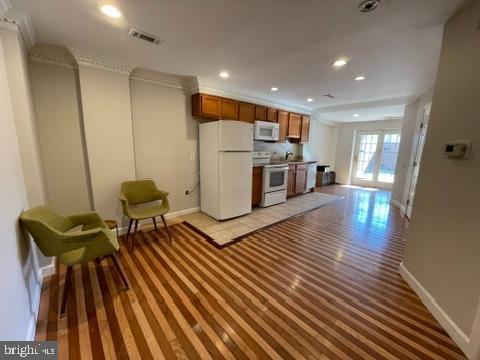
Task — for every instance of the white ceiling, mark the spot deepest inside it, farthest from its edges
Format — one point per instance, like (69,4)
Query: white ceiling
(290,44)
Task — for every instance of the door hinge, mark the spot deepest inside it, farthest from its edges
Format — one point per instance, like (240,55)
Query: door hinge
(408,201)
(414,163)
(421,125)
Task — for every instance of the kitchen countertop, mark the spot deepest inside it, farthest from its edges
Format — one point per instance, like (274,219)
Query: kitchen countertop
(291,162)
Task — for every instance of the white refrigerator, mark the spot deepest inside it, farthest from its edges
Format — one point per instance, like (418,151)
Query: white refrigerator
(226,168)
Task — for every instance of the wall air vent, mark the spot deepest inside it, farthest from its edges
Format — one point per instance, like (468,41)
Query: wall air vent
(330,96)
(145,36)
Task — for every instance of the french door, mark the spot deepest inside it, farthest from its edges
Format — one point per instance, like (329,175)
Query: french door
(375,158)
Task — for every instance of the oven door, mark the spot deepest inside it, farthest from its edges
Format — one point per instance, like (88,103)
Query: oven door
(274,178)
(266,131)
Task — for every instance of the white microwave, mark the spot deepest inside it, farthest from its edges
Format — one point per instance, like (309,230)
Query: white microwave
(265,131)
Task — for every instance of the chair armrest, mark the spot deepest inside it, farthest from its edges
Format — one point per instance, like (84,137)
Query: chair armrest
(163,195)
(85,218)
(125,205)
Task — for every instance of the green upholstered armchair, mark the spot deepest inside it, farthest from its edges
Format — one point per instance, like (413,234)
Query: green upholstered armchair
(138,192)
(51,232)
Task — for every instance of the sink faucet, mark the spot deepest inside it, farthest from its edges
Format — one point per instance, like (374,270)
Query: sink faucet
(287,154)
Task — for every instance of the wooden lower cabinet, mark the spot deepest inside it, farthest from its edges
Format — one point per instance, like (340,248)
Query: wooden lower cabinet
(291,180)
(257,185)
(300,179)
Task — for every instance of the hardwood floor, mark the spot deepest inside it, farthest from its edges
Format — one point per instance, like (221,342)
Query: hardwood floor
(323,285)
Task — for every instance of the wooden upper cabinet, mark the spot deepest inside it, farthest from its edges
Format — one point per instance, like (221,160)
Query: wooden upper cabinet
(204,105)
(305,132)
(282,120)
(246,112)
(229,109)
(294,126)
(260,113)
(272,115)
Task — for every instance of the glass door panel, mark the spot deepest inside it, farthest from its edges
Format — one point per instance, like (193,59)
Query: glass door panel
(391,144)
(366,156)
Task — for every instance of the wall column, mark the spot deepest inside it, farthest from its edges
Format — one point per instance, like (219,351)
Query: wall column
(107,118)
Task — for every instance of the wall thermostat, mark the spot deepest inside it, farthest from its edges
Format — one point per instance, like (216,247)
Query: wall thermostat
(458,149)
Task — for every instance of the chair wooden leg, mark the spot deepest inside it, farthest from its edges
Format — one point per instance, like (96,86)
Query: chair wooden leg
(166,228)
(66,288)
(129,228)
(154,223)
(134,233)
(120,270)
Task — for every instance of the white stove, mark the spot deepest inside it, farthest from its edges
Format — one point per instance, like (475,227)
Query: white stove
(275,179)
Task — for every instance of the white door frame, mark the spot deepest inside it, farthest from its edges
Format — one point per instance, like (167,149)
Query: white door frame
(417,158)
(377,158)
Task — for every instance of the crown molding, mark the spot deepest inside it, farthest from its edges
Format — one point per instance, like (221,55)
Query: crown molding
(162,79)
(214,88)
(25,28)
(366,105)
(52,59)
(4,7)
(85,58)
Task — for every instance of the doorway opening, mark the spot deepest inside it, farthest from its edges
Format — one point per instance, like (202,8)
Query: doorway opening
(375,158)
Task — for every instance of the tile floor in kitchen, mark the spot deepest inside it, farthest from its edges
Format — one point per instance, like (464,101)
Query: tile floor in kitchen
(224,232)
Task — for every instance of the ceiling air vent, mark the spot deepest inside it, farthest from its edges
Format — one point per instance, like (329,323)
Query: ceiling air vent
(330,96)
(145,36)
(368,6)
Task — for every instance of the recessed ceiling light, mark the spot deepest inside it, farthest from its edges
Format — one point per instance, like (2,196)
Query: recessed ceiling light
(274,88)
(309,99)
(111,11)
(360,78)
(368,6)
(224,75)
(340,63)
(356,115)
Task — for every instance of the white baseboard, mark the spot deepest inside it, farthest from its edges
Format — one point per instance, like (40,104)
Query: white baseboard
(181,212)
(47,270)
(438,313)
(170,215)
(32,326)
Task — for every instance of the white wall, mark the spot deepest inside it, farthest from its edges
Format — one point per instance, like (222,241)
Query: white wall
(322,144)
(105,97)
(19,84)
(345,142)
(412,120)
(443,243)
(20,290)
(56,99)
(165,138)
